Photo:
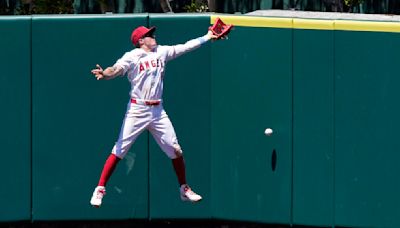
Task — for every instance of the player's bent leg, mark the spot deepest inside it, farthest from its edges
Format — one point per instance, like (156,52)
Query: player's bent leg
(131,128)
(106,173)
(108,169)
(179,167)
(164,134)
(186,193)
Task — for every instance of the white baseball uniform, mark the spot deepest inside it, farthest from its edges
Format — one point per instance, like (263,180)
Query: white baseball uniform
(145,71)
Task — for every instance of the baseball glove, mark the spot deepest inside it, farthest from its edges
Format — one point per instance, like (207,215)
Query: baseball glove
(220,29)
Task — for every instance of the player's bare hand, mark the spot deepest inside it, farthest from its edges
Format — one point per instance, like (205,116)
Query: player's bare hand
(211,35)
(98,72)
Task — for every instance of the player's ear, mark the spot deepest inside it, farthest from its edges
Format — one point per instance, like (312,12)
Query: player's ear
(140,42)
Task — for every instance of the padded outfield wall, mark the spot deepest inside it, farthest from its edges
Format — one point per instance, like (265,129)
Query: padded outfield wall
(327,87)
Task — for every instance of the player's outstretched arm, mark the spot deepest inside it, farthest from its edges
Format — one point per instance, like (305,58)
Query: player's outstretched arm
(180,49)
(108,73)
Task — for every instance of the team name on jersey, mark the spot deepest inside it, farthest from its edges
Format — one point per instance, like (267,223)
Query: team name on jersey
(148,64)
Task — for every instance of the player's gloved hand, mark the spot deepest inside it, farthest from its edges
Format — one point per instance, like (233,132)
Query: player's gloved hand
(98,72)
(220,30)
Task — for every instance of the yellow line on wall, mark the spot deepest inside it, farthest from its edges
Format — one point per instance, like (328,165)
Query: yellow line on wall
(316,24)
(372,26)
(247,21)
(313,24)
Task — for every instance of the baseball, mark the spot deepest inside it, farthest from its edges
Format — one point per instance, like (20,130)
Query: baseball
(268,131)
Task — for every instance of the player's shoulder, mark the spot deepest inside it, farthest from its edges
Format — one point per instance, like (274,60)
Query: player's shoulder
(134,53)
(162,48)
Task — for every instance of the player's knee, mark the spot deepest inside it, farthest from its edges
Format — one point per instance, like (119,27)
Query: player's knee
(119,154)
(177,150)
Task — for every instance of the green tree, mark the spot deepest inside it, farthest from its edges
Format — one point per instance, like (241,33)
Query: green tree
(196,7)
(351,3)
(45,7)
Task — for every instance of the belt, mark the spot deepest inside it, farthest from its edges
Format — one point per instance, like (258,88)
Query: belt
(145,102)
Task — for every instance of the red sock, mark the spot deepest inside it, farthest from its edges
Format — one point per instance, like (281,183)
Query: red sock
(179,166)
(108,169)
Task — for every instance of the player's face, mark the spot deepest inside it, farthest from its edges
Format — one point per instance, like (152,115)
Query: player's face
(150,41)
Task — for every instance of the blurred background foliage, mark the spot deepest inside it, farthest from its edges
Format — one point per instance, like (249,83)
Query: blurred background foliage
(26,7)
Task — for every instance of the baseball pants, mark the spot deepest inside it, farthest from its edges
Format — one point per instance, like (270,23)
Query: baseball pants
(140,117)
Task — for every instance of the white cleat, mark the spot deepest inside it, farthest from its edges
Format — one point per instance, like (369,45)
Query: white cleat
(188,195)
(98,195)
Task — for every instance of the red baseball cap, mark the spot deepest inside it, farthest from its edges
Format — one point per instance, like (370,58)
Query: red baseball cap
(139,32)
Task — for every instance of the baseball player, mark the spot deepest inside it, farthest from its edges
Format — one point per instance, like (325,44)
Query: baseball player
(145,68)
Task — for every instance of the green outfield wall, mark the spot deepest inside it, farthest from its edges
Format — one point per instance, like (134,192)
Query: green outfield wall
(251,90)
(15,118)
(328,89)
(76,120)
(313,118)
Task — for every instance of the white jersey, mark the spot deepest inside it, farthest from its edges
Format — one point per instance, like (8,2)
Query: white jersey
(146,70)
